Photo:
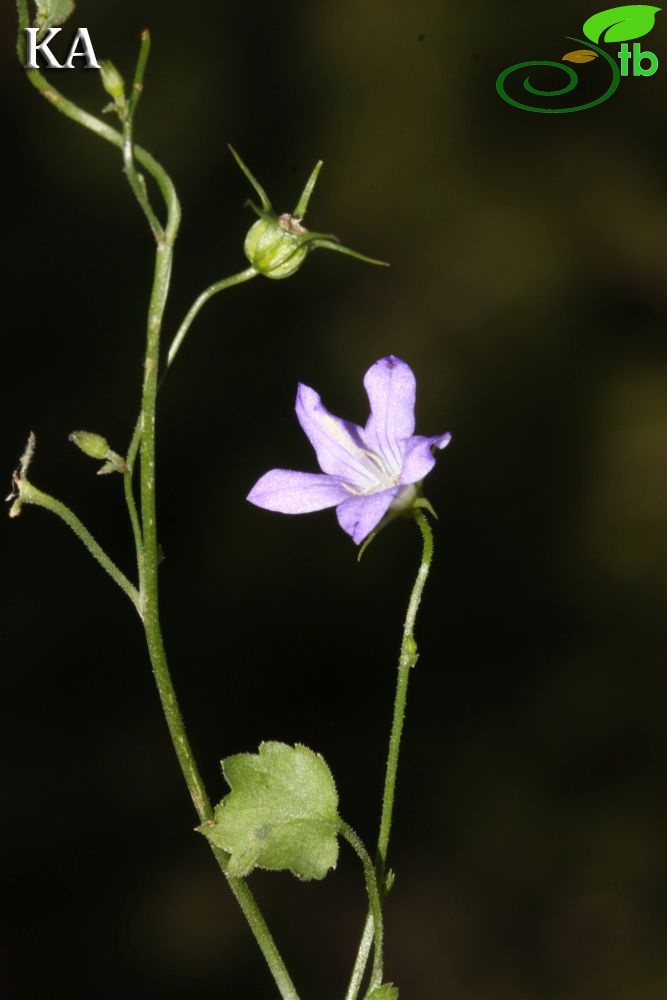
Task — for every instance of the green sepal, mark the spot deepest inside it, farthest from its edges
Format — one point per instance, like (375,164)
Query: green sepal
(425,505)
(304,197)
(51,13)
(386,992)
(329,244)
(281,813)
(263,197)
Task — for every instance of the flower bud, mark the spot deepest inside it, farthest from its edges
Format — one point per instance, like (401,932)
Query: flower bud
(112,82)
(277,245)
(93,445)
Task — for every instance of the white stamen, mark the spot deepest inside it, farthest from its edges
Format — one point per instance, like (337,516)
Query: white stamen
(382,477)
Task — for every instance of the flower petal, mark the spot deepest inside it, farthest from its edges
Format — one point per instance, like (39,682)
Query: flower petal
(291,492)
(391,387)
(419,458)
(359,515)
(337,443)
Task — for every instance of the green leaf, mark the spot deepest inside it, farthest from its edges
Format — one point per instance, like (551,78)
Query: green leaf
(386,992)
(621,24)
(52,12)
(281,813)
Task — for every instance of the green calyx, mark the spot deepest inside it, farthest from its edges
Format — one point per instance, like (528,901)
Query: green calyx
(275,248)
(277,245)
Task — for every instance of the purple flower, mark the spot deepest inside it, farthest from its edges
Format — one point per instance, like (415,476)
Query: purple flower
(367,472)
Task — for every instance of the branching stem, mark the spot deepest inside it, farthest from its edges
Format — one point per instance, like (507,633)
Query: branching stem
(374,900)
(143,522)
(28,493)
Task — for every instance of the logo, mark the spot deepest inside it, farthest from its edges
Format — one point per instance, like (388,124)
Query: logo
(618,24)
(81,48)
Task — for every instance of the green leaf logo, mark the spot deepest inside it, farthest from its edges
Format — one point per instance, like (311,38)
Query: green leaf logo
(621,24)
(281,813)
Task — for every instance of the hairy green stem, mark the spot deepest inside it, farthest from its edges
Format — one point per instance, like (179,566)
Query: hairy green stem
(149,595)
(374,901)
(407,660)
(128,489)
(361,959)
(143,441)
(208,293)
(135,524)
(257,924)
(150,606)
(133,450)
(27,493)
(136,181)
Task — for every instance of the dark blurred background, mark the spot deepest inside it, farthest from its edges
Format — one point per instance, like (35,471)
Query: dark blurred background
(528,291)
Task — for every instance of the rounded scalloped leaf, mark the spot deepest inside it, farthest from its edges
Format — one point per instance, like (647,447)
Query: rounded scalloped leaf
(580,56)
(281,812)
(386,992)
(621,24)
(53,12)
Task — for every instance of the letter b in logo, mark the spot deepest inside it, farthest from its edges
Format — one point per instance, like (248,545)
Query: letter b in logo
(637,57)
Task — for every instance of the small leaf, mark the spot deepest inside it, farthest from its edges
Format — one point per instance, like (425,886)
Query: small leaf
(281,813)
(107,468)
(621,24)
(117,462)
(114,464)
(53,12)
(386,992)
(580,56)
